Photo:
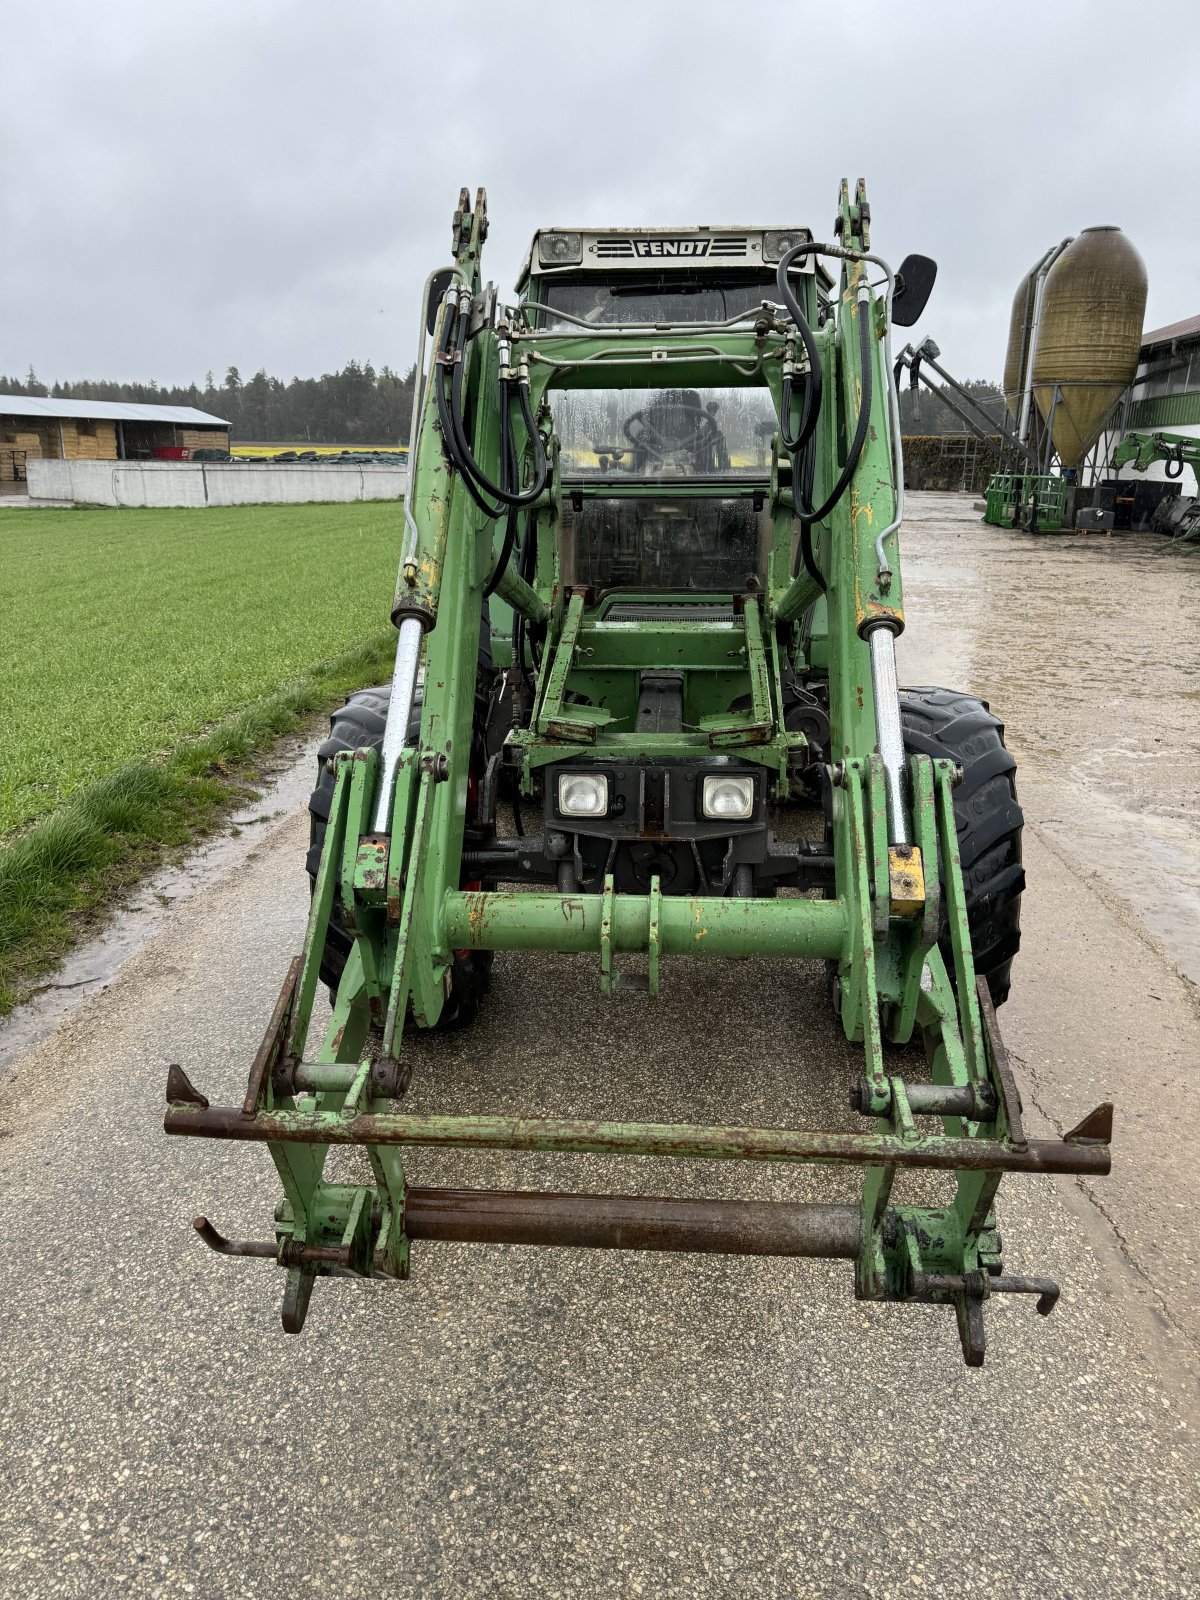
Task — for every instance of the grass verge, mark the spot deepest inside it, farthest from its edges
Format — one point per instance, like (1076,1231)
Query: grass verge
(55,876)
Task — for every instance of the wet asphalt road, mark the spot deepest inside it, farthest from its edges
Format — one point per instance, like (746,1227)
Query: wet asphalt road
(523,1423)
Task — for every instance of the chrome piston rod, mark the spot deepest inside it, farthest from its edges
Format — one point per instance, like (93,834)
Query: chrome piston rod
(888,729)
(404,687)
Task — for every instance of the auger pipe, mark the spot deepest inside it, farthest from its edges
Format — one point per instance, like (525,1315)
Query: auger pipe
(694,925)
(694,1141)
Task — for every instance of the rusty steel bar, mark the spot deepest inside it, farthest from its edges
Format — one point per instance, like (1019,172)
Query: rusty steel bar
(633,1222)
(934,1151)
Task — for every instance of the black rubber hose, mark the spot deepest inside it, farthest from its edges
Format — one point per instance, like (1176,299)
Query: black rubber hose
(1176,461)
(807,512)
(505,556)
(807,553)
(502,491)
(446,421)
(813,380)
(466,461)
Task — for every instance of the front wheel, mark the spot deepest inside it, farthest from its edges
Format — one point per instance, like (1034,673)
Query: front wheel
(942,723)
(359,725)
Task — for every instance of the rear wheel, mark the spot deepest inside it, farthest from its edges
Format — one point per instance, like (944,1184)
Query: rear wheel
(359,725)
(942,723)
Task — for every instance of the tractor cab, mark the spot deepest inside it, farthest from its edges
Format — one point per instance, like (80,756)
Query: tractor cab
(653,744)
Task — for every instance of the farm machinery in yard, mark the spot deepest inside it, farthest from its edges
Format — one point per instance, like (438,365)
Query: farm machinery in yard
(675,461)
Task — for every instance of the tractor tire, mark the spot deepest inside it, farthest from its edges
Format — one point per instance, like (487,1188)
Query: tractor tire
(359,725)
(944,723)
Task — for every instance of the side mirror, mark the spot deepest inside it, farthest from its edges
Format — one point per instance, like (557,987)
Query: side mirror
(438,285)
(914,284)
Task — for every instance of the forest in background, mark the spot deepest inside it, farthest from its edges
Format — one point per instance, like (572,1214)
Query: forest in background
(363,405)
(358,405)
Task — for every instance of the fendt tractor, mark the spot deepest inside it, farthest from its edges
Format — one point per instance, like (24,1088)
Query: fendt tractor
(648,598)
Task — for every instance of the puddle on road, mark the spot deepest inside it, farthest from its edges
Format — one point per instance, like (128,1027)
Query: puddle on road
(1087,648)
(93,965)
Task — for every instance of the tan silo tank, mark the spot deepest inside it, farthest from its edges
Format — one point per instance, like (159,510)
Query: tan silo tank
(1088,337)
(1018,343)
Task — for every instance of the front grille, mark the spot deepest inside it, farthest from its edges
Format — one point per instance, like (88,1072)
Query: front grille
(666,611)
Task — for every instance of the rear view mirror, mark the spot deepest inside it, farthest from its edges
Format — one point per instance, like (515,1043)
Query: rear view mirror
(438,285)
(914,285)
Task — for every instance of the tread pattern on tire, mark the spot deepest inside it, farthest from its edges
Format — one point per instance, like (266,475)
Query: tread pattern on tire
(360,724)
(945,723)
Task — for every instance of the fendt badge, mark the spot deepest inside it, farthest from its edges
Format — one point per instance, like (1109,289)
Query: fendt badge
(671,247)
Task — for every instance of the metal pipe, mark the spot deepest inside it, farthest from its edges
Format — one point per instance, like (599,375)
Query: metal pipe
(395,733)
(691,925)
(933,1152)
(633,1222)
(888,730)
(510,586)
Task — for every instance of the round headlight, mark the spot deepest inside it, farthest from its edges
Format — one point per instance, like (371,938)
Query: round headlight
(582,794)
(729,799)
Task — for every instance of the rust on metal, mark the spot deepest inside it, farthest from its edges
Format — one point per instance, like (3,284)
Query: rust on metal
(793,1145)
(267,1056)
(1096,1127)
(633,1222)
(181,1091)
(1004,1075)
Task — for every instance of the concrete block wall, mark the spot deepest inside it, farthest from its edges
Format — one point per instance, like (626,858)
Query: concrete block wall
(206,483)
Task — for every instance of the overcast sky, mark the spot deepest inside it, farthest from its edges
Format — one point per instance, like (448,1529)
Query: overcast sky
(266,184)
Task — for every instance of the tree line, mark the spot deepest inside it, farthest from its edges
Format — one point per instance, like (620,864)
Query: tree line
(358,405)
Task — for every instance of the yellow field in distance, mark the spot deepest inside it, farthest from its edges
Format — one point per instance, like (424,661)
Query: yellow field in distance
(317,449)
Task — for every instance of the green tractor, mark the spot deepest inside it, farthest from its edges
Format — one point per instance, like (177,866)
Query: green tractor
(648,600)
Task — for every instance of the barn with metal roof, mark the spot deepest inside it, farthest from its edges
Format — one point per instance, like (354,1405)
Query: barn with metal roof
(40,427)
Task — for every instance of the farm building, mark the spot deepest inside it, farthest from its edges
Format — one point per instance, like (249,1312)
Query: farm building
(99,430)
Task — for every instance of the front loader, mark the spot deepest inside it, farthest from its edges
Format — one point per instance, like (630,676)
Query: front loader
(648,599)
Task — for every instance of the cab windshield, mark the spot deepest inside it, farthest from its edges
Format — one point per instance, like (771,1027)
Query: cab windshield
(634,435)
(656,297)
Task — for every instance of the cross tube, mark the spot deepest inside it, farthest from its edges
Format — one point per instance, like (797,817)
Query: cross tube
(688,925)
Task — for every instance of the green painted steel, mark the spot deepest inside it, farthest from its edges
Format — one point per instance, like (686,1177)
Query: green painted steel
(574,666)
(787,930)
(1142,450)
(1034,501)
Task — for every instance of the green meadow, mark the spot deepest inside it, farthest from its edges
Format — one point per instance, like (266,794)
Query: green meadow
(146,658)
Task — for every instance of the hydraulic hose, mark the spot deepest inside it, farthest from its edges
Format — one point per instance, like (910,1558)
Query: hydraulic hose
(446,420)
(808,514)
(503,491)
(813,382)
(801,445)
(505,556)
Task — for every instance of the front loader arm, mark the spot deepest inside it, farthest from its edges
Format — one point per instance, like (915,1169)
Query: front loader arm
(393,862)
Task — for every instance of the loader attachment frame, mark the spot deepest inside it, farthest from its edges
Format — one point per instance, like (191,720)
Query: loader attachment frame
(892,920)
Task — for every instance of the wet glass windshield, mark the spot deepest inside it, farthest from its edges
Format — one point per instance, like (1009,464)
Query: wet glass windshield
(630,434)
(656,297)
(644,542)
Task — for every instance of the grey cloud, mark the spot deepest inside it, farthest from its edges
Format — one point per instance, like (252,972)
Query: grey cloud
(268,185)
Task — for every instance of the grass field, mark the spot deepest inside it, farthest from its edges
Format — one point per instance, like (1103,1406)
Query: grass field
(146,654)
(127,631)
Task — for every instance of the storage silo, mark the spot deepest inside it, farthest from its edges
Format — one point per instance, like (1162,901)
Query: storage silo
(1088,337)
